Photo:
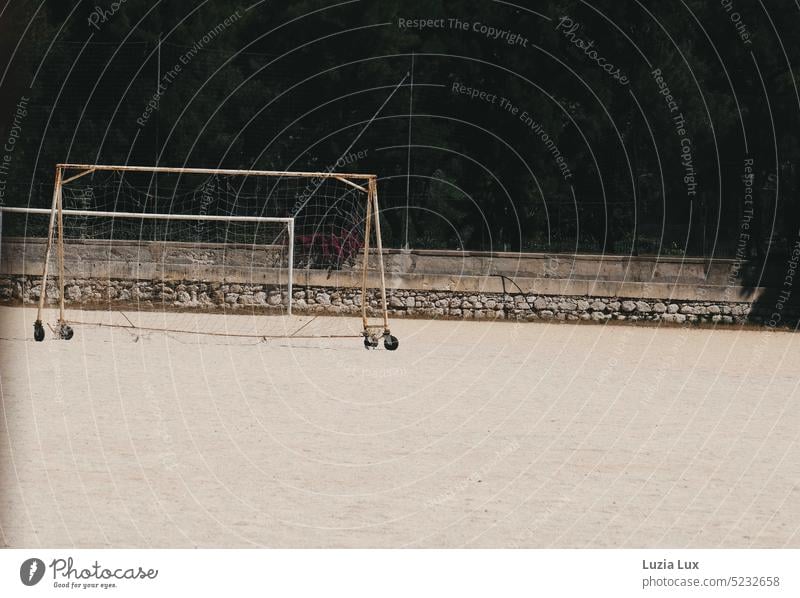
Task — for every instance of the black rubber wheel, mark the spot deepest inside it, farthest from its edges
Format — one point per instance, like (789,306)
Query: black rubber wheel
(390,342)
(66,332)
(369,343)
(38,331)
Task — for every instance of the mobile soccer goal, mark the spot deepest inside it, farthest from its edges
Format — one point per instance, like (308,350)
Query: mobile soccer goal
(183,238)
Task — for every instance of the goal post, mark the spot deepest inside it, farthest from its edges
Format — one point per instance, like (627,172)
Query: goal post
(330,220)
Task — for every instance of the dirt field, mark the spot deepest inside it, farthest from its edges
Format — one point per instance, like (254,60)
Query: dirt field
(470,435)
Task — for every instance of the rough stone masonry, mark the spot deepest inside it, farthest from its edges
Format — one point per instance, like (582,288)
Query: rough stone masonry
(214,296)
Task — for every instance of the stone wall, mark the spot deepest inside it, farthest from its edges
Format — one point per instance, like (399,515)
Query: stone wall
(215,296)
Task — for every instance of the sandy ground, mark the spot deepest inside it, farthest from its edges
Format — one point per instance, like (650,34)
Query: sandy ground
(471,434)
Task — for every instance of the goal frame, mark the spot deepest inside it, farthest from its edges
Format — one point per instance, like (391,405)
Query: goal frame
(366,183)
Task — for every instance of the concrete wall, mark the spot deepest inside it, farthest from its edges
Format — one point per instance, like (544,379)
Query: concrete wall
(571,275)
(554,274)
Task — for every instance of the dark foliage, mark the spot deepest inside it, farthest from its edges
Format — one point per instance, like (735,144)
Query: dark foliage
(304,84)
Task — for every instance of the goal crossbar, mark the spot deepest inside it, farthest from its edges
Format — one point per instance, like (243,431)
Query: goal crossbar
(220,171)
(149,216)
